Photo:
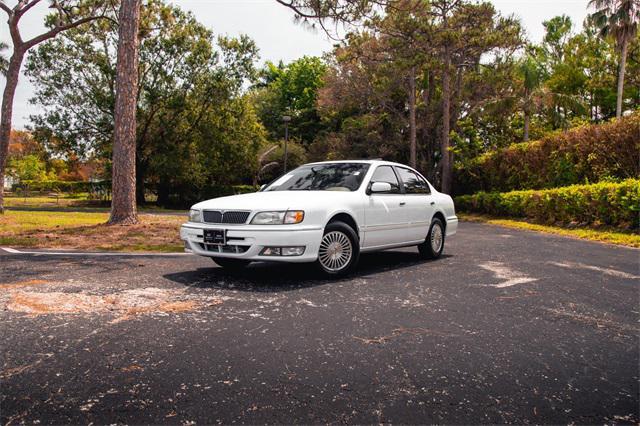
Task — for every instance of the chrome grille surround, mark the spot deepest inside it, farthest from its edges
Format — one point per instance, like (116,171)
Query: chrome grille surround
(231,216)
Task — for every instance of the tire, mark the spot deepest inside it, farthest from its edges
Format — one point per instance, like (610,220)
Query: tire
(231,264)
(433,245)
(339,250)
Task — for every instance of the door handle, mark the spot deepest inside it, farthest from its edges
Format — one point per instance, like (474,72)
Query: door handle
(432,203)
(402,203)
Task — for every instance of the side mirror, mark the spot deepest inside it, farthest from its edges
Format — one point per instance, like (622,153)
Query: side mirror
(380,187)
(261,187)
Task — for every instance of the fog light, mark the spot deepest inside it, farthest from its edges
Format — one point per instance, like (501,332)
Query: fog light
(270,251)
(283,251)
(292,251)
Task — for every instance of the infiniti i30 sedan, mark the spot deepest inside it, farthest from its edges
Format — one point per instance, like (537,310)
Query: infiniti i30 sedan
(327,213)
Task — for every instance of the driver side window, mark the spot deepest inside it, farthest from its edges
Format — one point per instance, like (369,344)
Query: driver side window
(386,174)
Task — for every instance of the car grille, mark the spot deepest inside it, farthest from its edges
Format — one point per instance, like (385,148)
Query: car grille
(216,216)
(228,248)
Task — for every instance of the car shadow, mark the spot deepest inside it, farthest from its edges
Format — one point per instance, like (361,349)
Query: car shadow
(268,277)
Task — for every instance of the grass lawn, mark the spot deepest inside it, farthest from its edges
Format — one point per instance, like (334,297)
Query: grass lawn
(87,231)
(612,236)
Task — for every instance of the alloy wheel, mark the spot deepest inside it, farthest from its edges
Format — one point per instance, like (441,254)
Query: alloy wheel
(335,251)
(436,238)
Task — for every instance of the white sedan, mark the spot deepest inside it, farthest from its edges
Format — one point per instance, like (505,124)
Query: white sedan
(327,213)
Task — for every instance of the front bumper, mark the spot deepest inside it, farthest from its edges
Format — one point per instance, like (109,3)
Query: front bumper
(247,241)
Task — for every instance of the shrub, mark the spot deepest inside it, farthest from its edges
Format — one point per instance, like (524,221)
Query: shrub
(605,203)
(71,187)
(582,155)
(183,197)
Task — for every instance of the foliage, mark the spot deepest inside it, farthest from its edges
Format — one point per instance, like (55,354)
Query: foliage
(585,154)
(604,203)
(292,90)
(195,128)
(603,234)
(4,62)
(29,167)
(377,75)
(72,187)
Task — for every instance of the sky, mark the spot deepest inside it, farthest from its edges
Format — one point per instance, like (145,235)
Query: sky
(274,31)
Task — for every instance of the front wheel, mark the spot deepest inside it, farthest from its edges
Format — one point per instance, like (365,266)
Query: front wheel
(339,250)
(232,264)
(433,245)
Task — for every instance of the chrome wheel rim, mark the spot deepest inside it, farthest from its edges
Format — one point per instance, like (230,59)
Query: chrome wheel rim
(335,251)
(436,238)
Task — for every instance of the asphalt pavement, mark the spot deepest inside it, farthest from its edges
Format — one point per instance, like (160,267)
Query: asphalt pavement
(507,327)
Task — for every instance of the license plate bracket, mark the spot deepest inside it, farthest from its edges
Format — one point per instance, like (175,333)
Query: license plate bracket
(216,237)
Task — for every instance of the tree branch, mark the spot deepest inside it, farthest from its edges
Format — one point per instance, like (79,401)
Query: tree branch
(28,6)
(5,8)
(58,29)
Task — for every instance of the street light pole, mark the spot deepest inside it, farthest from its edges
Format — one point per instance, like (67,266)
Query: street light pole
(286,120)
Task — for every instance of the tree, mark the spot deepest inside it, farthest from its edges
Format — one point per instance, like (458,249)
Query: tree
(123,165)
(290,89)
(321,12)
(532,78)
(619,19)
(67,14)
(186,78)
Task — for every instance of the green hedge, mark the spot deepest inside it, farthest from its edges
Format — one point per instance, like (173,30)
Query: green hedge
(605,203)
(582,155)
(61,186)
(185,196)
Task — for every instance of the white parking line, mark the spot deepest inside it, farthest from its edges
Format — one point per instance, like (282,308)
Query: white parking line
(503,272)
(606,271)
(63,253)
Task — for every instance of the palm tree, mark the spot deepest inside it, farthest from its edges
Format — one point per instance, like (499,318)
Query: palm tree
(618,19)
(532,77)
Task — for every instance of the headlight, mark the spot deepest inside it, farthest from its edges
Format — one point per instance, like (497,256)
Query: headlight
(194,216)
(278,218)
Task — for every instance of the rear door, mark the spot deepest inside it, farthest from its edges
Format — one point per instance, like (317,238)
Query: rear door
(385,215)
(420,206)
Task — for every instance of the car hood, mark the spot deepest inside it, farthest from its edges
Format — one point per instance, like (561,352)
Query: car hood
(273,200)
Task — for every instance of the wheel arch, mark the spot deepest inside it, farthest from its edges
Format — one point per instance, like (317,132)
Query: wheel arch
(440,215)
(346,218)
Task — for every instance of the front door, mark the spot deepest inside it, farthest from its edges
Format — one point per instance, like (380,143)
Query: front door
(385,213)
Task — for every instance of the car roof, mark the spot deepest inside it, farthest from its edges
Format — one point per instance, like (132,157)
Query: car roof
(372,162)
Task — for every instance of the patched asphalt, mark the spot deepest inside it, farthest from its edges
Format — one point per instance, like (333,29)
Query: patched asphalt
(508,327)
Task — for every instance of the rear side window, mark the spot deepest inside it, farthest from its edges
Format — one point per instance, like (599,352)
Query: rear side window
(386,174)
(413,184)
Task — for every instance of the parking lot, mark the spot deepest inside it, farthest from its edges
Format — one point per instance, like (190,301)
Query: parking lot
(509,326)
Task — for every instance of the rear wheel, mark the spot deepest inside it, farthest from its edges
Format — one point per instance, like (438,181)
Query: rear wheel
(433,245)
(339,250)
(232,264)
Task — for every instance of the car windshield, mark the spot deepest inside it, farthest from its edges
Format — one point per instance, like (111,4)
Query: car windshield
(321,177)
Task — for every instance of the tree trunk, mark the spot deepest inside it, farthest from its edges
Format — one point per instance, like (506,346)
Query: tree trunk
(412,117)
(123,204)
(621,71)
(446,113)
(527,115)
(13,74)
